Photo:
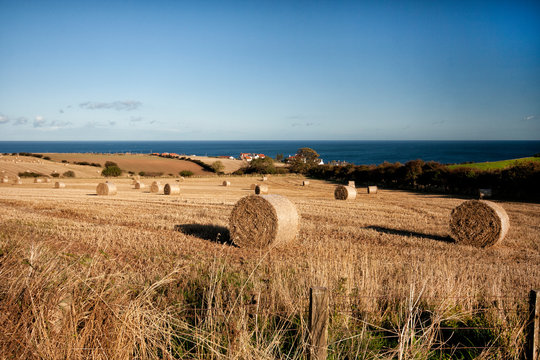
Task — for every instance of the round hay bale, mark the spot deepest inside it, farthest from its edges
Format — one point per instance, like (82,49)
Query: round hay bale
(5,180)
(262,221)
(171,189)
(47,180)
(106,188)
(226,183)
(261,189)
(305,183)
(253,186)
(38,180)
(265,178)
(372,189)
(59,185)
(156,187)
(139,185)
(351,184)
(17,182)
(343,192)
(479,223)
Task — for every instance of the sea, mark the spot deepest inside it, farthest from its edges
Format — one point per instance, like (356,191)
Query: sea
(355,152)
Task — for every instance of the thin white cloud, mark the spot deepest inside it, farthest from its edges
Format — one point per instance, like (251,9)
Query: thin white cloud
(127,105)
(57,124)
(135,119)
(20,121)
(3,119)
(529,118)
(39,121)
(304,124)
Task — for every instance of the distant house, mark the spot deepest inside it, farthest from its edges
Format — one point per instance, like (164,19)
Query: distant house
(250,156)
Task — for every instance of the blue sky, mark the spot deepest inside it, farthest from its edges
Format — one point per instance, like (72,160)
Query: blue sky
(239,70)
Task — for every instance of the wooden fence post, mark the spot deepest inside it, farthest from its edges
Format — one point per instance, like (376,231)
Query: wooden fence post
(533,328)
(318,323)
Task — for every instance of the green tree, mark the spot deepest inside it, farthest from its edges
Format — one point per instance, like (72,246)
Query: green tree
(261,166)
(279,157)
(218,166)
(304,160)
(112,171)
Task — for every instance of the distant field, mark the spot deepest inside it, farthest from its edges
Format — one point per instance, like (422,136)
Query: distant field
(493,165)
(147,276)
(135,162)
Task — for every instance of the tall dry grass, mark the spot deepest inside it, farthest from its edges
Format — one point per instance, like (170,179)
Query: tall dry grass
(77,281)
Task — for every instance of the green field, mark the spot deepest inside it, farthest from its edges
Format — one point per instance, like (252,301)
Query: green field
(494,165)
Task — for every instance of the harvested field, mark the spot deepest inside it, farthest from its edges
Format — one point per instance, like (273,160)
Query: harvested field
(135,162)
(134,275)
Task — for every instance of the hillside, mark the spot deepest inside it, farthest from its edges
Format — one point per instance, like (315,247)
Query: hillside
(13,165)
(495,165)
(134,162)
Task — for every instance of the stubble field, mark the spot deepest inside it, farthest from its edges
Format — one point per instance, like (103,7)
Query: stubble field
(141,275)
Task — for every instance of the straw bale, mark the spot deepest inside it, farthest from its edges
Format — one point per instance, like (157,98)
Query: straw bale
(305,183)
(38,180)
(253,186)
(351,184)
(263,221)
(59,185)
(226,183)
(156,187)
(5,180)
(171,189)
(372,189)
(265,178)
(139,185)
(17,182)
(343,192)
(261,189)
(479,223)
(106,188)
(47,180)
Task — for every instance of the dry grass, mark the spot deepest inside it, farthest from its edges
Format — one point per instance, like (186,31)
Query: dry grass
(13,165)
(79,281)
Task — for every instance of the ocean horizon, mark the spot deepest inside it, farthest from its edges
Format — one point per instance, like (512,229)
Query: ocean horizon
(352,151)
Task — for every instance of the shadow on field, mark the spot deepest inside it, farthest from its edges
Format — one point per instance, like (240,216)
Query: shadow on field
(218,234)
(385,230)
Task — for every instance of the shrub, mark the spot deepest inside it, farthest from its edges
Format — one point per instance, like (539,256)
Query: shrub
(186,173)
(55,174)
(217,166)
(65,161)
(30,174)
(46,158)
(110,164)
(112,171)
(261,166)
(69,174)
(151,173)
